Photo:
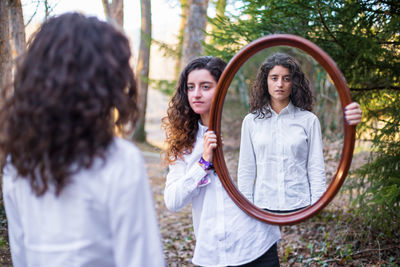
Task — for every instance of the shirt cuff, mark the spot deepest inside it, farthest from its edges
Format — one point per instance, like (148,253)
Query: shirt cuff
(197,174)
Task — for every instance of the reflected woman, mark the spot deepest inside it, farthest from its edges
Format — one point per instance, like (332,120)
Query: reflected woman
(281,163)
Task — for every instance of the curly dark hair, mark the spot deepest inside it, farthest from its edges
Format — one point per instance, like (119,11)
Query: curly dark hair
(181,122)
(72,89)
(260,98)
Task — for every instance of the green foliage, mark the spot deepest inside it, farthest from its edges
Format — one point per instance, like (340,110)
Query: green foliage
(336,238)
(377,183)
(165,86)
(363,38)
(168,50)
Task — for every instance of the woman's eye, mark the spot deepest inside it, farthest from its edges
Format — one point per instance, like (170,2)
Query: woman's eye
(206,87)
(274,78)
(190,87)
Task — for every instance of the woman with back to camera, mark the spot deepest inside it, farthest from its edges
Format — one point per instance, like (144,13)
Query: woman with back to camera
(74,194)
(281,162)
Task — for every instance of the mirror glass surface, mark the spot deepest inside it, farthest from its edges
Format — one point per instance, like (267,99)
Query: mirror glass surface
(327,108)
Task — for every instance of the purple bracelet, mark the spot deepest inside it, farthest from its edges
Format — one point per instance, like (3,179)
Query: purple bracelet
(205,164)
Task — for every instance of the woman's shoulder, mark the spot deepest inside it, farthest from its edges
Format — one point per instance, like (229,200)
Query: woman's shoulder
(9,175)
(122,151)
(305,114)
(250,118)
(254,119)
(123,162)
(307,118)
(125,145)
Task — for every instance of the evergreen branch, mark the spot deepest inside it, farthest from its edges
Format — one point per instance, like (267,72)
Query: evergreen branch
(376,88)
(326,27)
(390,43)
(169,50)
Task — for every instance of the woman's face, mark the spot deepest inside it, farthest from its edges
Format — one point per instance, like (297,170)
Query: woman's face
(279,84)
(201,88)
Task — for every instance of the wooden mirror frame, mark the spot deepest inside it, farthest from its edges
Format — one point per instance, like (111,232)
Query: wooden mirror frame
(215,124)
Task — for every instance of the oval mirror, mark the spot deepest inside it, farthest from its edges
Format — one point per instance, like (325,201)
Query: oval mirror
(231,106)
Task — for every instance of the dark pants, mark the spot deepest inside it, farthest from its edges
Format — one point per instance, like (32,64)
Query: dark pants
(268,259)
(285,211)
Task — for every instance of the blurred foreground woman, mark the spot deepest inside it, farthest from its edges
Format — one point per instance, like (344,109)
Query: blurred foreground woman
(75,195)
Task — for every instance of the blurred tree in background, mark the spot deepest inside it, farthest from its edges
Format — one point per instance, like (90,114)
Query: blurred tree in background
(363,38)
(12,38)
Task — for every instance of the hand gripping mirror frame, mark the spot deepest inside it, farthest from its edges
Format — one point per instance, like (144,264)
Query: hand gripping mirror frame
(215,123)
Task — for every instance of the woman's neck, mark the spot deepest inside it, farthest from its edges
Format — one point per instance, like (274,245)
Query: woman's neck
(204,119)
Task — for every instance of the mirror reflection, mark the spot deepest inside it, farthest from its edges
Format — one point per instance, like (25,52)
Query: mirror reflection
(281,156)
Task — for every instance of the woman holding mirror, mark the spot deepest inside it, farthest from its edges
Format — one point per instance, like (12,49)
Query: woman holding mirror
(281,163)
(225,235)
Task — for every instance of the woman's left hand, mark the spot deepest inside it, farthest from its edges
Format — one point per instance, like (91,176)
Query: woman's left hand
(352,113)
(210,143)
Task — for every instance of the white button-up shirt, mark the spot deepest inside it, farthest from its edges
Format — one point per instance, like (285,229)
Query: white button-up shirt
(105,217)
(281,163)
(225,235)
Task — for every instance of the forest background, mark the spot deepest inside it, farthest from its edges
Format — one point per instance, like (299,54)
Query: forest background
(362,37)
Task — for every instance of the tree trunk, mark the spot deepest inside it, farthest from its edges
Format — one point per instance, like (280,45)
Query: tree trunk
(17,27)
(117,11)
(5,47)
(114,11)
(107,8)
(184,15)
(142,68)
(194,31)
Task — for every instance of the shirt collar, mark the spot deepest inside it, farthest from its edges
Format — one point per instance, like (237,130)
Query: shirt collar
(289,109)
(202,129)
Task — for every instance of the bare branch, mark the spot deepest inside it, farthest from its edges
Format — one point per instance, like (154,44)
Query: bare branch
(34,13)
